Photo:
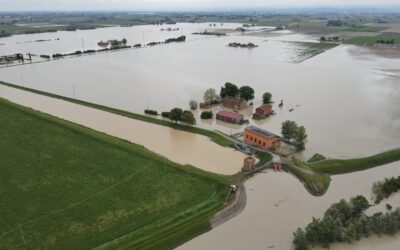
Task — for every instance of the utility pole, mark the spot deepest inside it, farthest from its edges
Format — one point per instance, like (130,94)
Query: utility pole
(73,91)
(83,44)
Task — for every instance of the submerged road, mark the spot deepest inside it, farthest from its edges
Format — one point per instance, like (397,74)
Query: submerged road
(178,146)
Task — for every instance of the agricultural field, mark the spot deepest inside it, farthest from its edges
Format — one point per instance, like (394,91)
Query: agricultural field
(63,186)
(306,50)
(371,40)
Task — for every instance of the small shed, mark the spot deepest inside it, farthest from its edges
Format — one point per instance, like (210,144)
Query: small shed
(249,163)
(264,110)
(276,162)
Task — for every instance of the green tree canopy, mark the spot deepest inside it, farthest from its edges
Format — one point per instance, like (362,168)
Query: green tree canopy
(188,117)
(229,90)
(267,97)
(300,137)
(246,92)
(175,114)
(288,130)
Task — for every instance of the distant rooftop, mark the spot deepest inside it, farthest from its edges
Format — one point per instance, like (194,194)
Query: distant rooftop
(261,131)
(229,114)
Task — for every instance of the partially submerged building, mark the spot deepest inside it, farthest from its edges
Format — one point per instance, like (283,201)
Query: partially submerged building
(229,116)
(262,138)
(249,163)
(234,103)
(263,111)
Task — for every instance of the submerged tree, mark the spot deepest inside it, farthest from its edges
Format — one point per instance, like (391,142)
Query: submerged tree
(229,90)
(267,98)
(193,105)
(188,117)
(210,96)
(246,93)
(175,114)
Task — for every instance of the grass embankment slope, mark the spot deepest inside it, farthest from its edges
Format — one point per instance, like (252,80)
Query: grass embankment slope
(215,137)
(63,186)
(336,166)
(316,172)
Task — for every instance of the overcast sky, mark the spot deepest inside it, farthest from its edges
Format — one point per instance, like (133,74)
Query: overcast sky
(178,4)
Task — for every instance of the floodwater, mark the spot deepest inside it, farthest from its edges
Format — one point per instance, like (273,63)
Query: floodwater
(347,97)
(277,204)
(178,146)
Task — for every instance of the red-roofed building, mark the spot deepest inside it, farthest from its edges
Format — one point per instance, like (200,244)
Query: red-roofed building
(228,116)
(264,110)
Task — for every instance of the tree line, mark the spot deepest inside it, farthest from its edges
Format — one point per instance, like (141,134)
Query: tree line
(345,221)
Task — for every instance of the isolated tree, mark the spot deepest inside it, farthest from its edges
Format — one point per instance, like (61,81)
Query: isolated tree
(300,137)
(124,41)
(193,105)
(230,90)
(288,130)
(267,97)
(188,117)
(210,96)
(175,114)
(246,92)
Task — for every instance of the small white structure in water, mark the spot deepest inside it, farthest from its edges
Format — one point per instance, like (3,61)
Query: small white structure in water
(276,162)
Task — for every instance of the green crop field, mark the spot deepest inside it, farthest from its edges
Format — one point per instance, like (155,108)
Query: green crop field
(63,186)
(371,40)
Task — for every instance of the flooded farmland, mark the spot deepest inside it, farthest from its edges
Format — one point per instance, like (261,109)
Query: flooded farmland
(346,96)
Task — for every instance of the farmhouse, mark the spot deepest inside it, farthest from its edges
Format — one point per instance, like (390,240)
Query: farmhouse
(228,116)
(234,103)
(261,138)
(263,111)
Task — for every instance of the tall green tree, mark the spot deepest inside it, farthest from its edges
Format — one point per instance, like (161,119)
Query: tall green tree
(229,90)
(267,98)
(246,93)
(188,117)
(175,114)
(300,137)
(288,130)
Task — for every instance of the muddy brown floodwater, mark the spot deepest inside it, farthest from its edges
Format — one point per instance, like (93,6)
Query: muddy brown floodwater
(277,204)
(347,97)
(178,146)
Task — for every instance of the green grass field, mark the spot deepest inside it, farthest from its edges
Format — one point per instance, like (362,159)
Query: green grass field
(63,186)
(364,28)
(371,40)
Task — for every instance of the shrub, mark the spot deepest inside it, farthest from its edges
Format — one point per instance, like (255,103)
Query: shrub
(206,115)
(150,112)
